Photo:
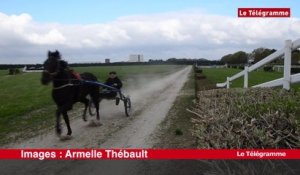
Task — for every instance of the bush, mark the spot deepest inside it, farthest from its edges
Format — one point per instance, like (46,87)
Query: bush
(200,76)
(253,118)
(17,71)
(198,70)
(295,70)
(13,71)
(178,132)
(268,69)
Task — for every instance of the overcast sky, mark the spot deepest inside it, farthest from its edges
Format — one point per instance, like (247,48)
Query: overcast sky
(92,30)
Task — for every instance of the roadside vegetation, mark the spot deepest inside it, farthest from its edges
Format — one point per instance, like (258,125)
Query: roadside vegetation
(246,118)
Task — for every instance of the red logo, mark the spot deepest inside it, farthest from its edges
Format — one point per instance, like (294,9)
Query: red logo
(264,12)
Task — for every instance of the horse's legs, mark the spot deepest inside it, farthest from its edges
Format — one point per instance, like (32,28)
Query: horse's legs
(85,101)
(66,118)
(58,127)
(96,102)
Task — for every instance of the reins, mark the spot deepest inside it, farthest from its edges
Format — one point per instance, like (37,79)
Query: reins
(52,74)
(56,72)
(66,85)
(63,86)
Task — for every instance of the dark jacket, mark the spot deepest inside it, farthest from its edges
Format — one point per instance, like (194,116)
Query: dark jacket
(114,82)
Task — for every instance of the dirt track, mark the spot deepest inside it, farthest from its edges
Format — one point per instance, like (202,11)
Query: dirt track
(151,98)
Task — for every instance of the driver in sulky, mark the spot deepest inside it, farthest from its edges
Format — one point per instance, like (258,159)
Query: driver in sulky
(113,81)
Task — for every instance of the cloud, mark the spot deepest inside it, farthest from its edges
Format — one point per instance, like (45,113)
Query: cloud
(157,36)
(51,37)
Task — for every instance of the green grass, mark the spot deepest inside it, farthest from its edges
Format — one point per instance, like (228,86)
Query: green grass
(3,72)
(20,94)
(175,131)
(125,71)
(25,104)
(256,77)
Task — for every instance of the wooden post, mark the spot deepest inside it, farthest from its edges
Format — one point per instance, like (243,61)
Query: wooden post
(287,65)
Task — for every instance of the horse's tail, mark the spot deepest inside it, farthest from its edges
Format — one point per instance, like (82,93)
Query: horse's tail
(93,92)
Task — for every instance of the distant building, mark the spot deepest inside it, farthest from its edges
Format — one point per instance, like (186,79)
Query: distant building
(136,58)
(107,60)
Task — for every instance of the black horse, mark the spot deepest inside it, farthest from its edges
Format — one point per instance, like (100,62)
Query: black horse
(67,89)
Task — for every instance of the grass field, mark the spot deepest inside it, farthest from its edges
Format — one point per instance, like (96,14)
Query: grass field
(3,72)
(26,105)
(257,77)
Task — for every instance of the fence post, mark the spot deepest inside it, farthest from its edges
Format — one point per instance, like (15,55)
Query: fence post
(287,65)
(246,77)
(227,83)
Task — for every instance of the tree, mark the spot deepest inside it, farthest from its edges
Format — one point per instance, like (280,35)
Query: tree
(239,57)
(226,59)
(261,53)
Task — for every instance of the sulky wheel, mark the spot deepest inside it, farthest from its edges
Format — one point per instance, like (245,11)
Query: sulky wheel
(127,105)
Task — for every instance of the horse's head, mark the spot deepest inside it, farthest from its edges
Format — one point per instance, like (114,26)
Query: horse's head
(52,66)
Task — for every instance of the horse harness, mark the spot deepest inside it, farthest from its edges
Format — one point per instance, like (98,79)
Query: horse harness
(62,86)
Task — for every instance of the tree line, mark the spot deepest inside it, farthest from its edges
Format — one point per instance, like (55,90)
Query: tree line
(170,61)
(241,57)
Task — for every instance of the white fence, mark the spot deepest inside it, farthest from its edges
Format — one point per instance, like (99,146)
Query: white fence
(287,79)
(280,68)
(26,70)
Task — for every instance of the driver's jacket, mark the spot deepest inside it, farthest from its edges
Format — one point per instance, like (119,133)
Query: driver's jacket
(114,82)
